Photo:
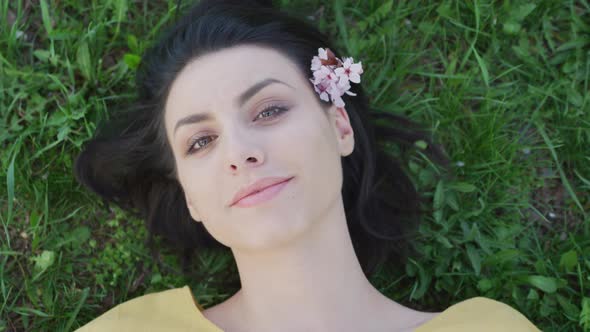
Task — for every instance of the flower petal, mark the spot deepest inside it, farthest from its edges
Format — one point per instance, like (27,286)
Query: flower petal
(347,62)
(338,101)
(357,68)
(323,53)
(340,71)
(343,83)
(355,78)
(316,63)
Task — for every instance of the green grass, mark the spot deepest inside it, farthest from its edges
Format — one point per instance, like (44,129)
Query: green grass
(503,85)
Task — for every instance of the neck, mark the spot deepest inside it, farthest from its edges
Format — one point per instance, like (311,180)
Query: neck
(313,283)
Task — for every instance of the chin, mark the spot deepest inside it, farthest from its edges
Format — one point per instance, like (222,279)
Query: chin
(269,232)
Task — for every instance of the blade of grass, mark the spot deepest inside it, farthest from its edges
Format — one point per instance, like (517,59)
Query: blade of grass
(10,189)
(341,24)
(564,179)
(482,66)
(45,17)
(74,314)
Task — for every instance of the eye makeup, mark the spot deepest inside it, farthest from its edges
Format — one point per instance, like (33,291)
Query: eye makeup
(274,109)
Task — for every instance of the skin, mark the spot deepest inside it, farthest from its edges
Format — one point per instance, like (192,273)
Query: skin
(296,262)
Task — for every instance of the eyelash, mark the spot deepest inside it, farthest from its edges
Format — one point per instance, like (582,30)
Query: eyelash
(279,112)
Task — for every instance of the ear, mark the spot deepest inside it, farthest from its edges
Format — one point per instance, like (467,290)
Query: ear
(193,211)
(343,130)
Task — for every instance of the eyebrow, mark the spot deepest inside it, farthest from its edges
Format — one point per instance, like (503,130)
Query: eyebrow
(239,101)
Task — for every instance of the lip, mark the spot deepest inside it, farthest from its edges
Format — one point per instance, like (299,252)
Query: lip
(259,189)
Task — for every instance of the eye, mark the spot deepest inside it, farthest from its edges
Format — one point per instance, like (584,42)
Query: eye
(277,108)
(273,110)
(197,142)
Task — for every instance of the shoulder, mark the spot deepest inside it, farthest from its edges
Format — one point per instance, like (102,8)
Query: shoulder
(170,310)
(481,314)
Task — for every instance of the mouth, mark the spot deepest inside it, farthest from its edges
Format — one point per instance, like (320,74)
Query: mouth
(262,196)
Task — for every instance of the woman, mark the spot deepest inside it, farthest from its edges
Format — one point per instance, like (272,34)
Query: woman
(249,135)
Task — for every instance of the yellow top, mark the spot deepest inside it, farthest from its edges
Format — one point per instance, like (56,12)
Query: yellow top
(177,310)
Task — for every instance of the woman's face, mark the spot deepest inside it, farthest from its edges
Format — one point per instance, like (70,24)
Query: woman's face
(250,130)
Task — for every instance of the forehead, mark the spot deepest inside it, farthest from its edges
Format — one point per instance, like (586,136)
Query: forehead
(220,76)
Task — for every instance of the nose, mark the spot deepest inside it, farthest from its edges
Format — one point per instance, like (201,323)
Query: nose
(243,151)
(250,160)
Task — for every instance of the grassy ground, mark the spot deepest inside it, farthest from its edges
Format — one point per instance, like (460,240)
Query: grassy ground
(504,86)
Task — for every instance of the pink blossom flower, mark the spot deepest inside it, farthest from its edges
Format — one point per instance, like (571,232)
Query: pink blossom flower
(332,77)
(336,91)
(322,89)
(351,70)
(322,73)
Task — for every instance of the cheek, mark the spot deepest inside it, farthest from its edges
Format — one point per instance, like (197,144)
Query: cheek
(312,149)
(195,186)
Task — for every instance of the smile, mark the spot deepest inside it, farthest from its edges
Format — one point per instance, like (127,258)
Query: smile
(264,195)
